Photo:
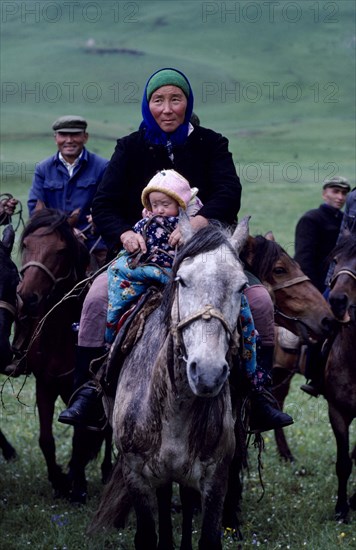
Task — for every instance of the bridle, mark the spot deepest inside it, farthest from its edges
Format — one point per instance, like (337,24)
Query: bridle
(278,312)
(9,307)
(206,313)
(345,271)
(55,280)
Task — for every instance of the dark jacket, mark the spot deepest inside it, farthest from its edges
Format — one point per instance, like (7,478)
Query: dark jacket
(315,237)
(204,160)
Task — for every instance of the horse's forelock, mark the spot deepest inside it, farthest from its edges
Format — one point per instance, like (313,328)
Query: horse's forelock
(265,255)
(346,248)
(205,240)
(55,220)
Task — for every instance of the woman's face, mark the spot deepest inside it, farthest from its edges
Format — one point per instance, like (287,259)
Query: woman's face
(168,105)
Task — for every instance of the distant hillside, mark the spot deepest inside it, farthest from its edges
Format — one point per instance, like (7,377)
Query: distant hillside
(278,78)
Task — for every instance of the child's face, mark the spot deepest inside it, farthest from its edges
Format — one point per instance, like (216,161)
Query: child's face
(163,204)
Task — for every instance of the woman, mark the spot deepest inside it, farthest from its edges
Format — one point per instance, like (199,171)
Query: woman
(165,140)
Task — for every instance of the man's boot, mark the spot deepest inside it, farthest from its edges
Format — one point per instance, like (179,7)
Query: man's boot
(85,406)
(265,413)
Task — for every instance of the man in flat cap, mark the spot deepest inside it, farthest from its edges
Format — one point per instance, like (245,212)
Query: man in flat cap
(69,179)
(318,229)
(316,235)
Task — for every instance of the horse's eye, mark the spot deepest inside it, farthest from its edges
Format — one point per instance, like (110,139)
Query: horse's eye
(279,271)
(181,281)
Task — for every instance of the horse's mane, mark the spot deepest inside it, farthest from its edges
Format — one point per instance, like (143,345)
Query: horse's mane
(346,247)
(55,220)
(205,240)
(264,255)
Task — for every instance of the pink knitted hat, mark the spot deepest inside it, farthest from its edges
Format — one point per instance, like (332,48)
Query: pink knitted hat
(172,184)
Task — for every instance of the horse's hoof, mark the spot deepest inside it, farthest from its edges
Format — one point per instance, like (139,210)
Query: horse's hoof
(341,513)
(78,497)
(353,502)
(9,453)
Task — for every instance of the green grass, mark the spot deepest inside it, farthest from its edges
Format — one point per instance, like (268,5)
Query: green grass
(295,512)
(283,147)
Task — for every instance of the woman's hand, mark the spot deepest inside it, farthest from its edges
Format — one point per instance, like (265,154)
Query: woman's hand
(197,222)
(132,242)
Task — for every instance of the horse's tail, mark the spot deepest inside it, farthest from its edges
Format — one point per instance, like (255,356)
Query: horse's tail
(115,503)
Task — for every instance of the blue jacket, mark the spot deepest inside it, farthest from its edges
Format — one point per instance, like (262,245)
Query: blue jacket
(52,185)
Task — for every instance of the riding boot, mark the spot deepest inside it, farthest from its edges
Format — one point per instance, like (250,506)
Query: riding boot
(314,370)
(85,406)
(265,412)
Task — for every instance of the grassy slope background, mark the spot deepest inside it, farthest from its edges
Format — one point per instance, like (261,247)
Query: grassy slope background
(278,79)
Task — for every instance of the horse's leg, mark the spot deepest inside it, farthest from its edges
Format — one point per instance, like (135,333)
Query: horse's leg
(86,446)
(8,451)
(212,504)
(340,426)
(141,495)
(353,498)
(165,528)
(106,466)
(282,376)
(46,398)
(190,500)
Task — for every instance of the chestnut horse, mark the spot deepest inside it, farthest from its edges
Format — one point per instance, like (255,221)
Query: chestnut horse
(53,262)
(299,307)
(9,279)
(340,372)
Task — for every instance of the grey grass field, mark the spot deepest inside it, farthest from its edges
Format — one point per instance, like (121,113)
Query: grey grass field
(278,79)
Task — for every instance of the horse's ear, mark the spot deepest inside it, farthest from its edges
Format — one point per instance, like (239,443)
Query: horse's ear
(240,235)
(40,205)
(247,253)
(185,226)
(73,217)
(8,238)
(269,236)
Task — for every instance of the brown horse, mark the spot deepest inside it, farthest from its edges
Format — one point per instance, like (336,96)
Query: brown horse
(299,307)
(172,418)
(340,372)
(9,279)
(53,262)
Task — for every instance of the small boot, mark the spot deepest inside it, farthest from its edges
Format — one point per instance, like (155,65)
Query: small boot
(314,371)
(265,412)
(85,406)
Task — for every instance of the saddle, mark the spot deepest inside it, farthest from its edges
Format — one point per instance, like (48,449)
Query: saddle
(130,329)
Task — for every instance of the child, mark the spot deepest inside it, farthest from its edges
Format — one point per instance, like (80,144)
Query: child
(129,276)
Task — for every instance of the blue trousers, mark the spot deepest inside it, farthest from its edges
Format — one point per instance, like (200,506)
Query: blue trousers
(126,285)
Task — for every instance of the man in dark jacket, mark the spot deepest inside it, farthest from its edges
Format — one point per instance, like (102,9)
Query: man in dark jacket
(317,231)
(316,234)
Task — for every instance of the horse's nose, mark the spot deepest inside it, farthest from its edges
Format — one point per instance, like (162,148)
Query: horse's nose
(29,303)
(339,304)
(207,380)
(328,325)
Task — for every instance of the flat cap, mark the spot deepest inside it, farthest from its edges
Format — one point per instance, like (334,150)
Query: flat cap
(70,123)
(337,181)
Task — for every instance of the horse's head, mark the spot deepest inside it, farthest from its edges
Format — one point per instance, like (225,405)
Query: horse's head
(343,285)
(9,279)
(209,279)
(299,306)
(52,260)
